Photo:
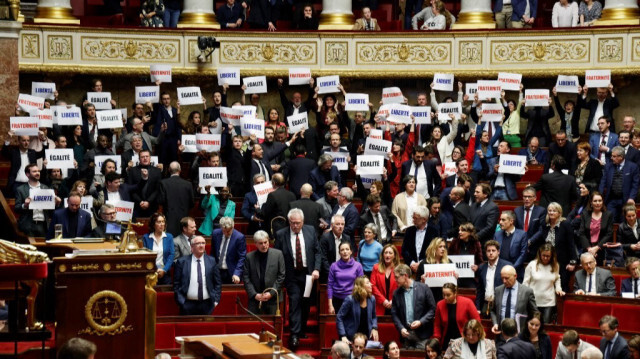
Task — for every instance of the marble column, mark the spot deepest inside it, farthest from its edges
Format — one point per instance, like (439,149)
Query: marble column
(336,15)
(198,13)
(55,12)
(9,86)
(475,14)
(620,12)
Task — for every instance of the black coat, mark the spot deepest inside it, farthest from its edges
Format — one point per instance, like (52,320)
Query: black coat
(278,204)
(312,212)
(148,190)
(176,198)
(13,154)
(606,230)
(557,187)
(298,170)
(626,237)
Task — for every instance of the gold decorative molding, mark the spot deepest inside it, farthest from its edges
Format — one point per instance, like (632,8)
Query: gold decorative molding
(150,305)
(540,51)
(474,20)
(280,53)
(336,52)
(403,53)
(610,49)
(336,21)
(470,52)
(635,49)
(194,52)
(105,313)
(106,267)
(62,268)
(30,46)
(128,266)
(55,15)
(130,49)
(150,265)
(60,47)
(85,267)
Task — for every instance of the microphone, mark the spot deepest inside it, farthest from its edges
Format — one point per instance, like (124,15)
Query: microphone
(263,334)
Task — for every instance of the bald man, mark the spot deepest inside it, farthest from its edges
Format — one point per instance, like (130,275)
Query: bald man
(512,300)
(176,198)
(312,211)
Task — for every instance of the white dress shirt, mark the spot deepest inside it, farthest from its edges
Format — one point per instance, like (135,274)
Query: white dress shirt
(599,113)
(302,248)
(420,233)
(489,290)
(38,214)
(564,16)
(157,247)
(192,292)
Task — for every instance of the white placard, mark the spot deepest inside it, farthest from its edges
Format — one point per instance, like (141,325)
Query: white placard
(208,142)
(443,82)
(153,161)
(256,84)
(340,160)
(444,109)
(45,117)
(42,198)
(109,119)
(43,89)
(29,103)
(598,78)
(470,89)
(248,111)
(356,102)
(375,134)
(513,164)
(308,286)
(399,113)
(228,75)
(124,210)
(537,97)
(567,84)
(69,116)
(59,158)
(231,116)
(189,95)
(377,147)
(463,265)
(146,94)
(160,73)
(509,81)
(297,123)
(392,95)
(86,203)
(628,295)
(492,112)
(370,165)
(212,176)
(252,127)
(24,126)
(328,84)
(262,191)
(489,90)
(189,143)
(383,111)
(449,169)
(438,275)
(101,100)
(299,76)
(98,160)
(367,180)
(421,115)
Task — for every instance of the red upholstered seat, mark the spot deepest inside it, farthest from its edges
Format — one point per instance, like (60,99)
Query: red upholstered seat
(330,334)
(584,314)
(387,332)
(628,315)
(165,336)
(210,328)
(14,272)
(166,305)
(245,327)
(618,278)
(592,339)
(555,339)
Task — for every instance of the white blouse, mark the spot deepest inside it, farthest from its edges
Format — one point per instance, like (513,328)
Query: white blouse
(543,282)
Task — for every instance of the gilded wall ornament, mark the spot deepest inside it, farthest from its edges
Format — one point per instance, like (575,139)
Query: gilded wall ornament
(106,312)
(336,53)
(510,52)
(403,53)
(60,47)
(268,52)
(610,49)
(470,52)
(30,46)
(130,49)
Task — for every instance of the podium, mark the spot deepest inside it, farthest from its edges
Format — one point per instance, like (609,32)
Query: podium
(108,298)
(227,346)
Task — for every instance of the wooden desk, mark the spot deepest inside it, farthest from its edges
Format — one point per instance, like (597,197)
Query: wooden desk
(213,346)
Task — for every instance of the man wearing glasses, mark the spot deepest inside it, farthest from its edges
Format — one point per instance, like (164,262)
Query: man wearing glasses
(107,227)
(612,344)
(530,218)
(591,280)
(564,148)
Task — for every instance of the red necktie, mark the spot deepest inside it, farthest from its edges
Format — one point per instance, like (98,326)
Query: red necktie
(299,265)
(526,219)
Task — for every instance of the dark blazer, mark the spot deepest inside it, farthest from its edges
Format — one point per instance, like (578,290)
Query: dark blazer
(273,276)
(147,190)
(525,304)
(13,154)
(540,157)
(249,210)
(424,309)
(236,251)
(328,248)
(434,182)
(312,212)
(536,221)
(348,318)
(25,221)
(626,286)
(517,252)
(312,249)
(481,279)
(278,204)
(60,216)
(630,181)
(575,116)
(619,350)
(461,215)
(537,117)
(595,140)
(182,277)
(288,105)
(351,219)
(544,342)
(254,169)
(632,155)
(317,179)
(388,219)
(625,236)
(124,190)
(235,167)
(557,187)
(176,198)
(485,219)
(605,285)
(565,243)
(517,348)
(592,174)
(312,142)
(568,152)
(298,170)
(606,230)
(409,244)
(610,104)
(168,249)
(509,179)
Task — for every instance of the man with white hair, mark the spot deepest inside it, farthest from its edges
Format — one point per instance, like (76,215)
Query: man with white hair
(340,350)
(263,269)
(330,245)
(348,210)
(591,280)
(229,248)
(417,238)
(325,172)
(302,257)
(511,300)
(591,353)
(619,183)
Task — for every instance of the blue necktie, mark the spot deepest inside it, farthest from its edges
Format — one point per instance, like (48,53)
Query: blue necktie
(200,287)
(607,350)
(507,310)
(589,290)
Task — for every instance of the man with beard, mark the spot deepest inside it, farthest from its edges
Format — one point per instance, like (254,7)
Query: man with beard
(147,178)
(33,222)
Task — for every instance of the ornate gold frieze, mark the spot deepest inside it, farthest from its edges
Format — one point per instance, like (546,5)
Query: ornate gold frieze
(540,51)
(105,313)
(610,49)
(403,53)
(336,53)
(130,49)
(128,266)
(470,52)
(635,49)
(60,47)
(30,46)
(280,53)
(84,267)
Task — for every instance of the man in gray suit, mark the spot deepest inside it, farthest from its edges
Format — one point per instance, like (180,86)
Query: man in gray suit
(591,280)
(484,213)
(138,129)
(182,242)
(263,269)
(571,344)
(32,222)
(518,302)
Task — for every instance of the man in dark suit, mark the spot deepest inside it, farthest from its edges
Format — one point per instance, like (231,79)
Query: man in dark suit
(557,187)
(460,212)
(488,277)
(538,123)
(591,280)
(463,168)
(31,222)
(320,175)
(76,222)
(313,211)
(428,182)
(107,216)
(503,185)
(298,169)
(259,159)
(203,295)
(126,156)
(381,216)
(530,218)
(295,105)
(631,284)
(415,330)
(330,243)
(263,269)
(302,257)
(348,210)
(603,141)
(115,190)
(514,348)
(236,162)
(273,150)
(612,344)
(17,178)
(251,209)
(564,148)
(620,183)
(330,199)
(535,155)
(513,242)
(176,198)
(182,242)
(166,118)
(602,105)
(569,114)
(229,248)
(484,213)
(417,238)
(630,153)
(277,205)
(147,178)
(512,300)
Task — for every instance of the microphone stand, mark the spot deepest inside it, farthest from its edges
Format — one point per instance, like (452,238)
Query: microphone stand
(277,300)
(271,342)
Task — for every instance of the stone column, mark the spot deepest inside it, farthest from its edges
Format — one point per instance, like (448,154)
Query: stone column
(55,12)
(198,13)
(620,12)
(336,15)
(9,86)
(475,14)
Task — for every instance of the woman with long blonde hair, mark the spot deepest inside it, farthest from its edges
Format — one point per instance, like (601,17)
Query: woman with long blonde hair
(436,253)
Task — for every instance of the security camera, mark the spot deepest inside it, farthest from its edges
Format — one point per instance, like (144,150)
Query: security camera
(206,44)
